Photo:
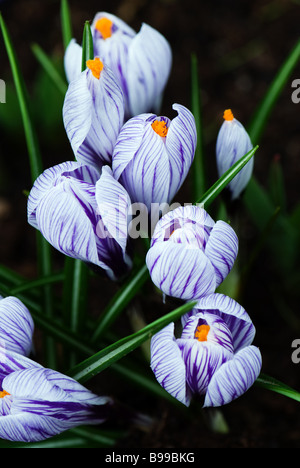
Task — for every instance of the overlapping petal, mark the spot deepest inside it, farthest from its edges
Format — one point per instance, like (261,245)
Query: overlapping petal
(149,66)
(16,325)
(168,365)
(234,378)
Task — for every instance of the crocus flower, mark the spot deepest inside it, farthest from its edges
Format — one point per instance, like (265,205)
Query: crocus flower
(190,254)
(233,142)
(140,61)
(84,214)
(37,403)
(213,359)
(16,325)
(153,155)
(93,113)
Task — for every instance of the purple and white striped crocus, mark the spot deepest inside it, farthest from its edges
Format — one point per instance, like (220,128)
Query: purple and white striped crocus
(233,142)
(84,214)
(213,359)
(140,61)
(37,403)
(16,326)
(93,114)
(153,155)
(190,254)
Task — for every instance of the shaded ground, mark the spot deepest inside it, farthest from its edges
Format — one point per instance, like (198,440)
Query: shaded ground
(239,46)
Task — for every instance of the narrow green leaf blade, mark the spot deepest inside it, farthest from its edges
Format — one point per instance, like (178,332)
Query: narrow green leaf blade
(106,357)
(198,167)
(66,25)
(275,385)
(260,118)
(87,45)
(50,69)
(223,181)
(30,134)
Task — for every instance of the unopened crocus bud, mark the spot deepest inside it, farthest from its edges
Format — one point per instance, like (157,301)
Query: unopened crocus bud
(84,214)
(153,155)
(233,142)
(190,254)
(93,114)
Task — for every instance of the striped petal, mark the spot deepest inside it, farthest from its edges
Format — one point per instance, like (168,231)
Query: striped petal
(234,377)
(113,207)
(233,142)
(233,314)
(202,360)
(149,66)
(11,361)
(181,143)
(45,403)
(141,163)
(52,177)
(73,60)
(93,114)
(167,364)
(222,249)
(16,326)
(179,271)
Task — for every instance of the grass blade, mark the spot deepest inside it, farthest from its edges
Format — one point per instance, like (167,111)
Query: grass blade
(106,357)
(260,118)
(223,181)
(87,45)
(198,167)
(66,23)
(50,69)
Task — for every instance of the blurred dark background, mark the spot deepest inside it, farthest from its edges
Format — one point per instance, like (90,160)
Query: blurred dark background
(240,46)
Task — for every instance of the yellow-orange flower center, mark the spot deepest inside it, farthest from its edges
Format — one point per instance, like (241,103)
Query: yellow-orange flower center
(228,115)
(160,127)
(104,26)
(3,394)
(95,66)
(202,332)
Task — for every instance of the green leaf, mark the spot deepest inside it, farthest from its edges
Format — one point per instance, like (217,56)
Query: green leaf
(50,69)
(119,301)
(30,134)
(260,118)
(109,355)
(87,45)
(198,166)
(66,23)
(223,181)
(275,385)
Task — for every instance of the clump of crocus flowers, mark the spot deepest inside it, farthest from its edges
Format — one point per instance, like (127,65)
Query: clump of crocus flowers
(125,152)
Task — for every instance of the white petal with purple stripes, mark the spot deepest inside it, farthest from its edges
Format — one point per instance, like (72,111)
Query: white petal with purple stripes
(167,364)
(149,66)
(93,113)
(234,377)
(222,249)
(16,325)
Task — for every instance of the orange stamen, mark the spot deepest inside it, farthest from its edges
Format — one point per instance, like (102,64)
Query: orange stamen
(3,394)
(104,26)
(95,66)
(228,115)
(160,127)
(202,332)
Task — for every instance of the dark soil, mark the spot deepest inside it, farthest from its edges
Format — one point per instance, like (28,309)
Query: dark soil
(240,46)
